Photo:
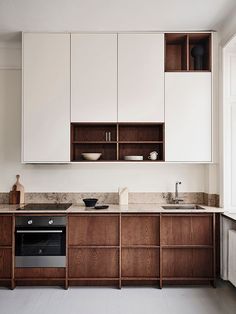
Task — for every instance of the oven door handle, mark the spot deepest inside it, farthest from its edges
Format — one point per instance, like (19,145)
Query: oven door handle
(39,231)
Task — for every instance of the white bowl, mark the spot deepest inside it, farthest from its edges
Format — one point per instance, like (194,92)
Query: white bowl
(133,157)
(91,156)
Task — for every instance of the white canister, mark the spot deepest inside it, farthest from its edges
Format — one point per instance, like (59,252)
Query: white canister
(123,196)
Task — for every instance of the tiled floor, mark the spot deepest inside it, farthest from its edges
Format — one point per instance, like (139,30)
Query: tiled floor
(171,300)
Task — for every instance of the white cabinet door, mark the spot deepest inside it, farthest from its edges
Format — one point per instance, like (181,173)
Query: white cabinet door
(141,78)
(94,78)
(188,114)
(46,98)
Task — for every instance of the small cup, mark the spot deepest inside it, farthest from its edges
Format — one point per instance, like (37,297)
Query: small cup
(153,155)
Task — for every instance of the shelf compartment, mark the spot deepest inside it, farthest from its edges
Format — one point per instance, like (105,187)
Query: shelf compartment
(204,40)
(176,52)
(131,149)
(93,263)
(92,132)
(109,151)
(94,230)
(187,230)
(141,132)
(138,262)
(187,263)
(140,231)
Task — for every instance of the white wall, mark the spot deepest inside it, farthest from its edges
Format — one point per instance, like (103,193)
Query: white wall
(77,177)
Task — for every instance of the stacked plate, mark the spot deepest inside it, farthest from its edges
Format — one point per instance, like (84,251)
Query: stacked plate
(133,158)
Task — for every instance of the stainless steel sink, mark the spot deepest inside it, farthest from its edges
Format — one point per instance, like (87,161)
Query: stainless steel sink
(184,207)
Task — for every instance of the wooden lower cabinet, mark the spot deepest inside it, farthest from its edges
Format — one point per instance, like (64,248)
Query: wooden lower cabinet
(93,263)
(5,263)
(140,263)
(128,248)
(190,263)
(6,244)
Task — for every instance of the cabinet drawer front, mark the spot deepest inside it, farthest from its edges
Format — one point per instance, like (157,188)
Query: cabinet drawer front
(185,141)
(5,263)
(136,230)
(93,77)
(182,230)
(184,263)
(141,77)
(6,230)
(94,230)
(39,272)
(93,263)
(138,262)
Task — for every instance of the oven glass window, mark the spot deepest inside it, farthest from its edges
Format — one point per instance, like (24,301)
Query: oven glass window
(40,242)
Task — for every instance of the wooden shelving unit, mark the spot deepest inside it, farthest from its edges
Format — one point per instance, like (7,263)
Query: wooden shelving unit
(188,248)
(126,139)
(124,249)
(6,251)
(140,249)
(93,249)
(178,47)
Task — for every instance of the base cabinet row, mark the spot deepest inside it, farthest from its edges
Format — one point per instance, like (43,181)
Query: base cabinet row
(123,249)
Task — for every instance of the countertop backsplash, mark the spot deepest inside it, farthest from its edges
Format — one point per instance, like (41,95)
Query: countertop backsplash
(113,198)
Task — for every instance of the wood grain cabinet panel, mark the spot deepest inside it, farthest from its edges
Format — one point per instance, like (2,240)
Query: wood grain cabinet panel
(186,230)
(93,263)
(39,272)
(5,263)
(187,263)
(5,230)
(94,230)
(140,263)
(138,230)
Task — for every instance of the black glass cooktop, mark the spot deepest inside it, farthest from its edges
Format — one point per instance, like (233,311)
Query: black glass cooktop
(43,206)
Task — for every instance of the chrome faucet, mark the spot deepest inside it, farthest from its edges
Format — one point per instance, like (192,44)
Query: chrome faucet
(177,199)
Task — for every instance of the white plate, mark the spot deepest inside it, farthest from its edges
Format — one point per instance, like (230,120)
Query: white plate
(133,158)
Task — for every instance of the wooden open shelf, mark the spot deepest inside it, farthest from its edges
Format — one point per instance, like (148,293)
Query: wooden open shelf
(126,139)
(178,48)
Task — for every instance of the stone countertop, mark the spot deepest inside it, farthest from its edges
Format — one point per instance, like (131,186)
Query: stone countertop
(113,208)
(229,215)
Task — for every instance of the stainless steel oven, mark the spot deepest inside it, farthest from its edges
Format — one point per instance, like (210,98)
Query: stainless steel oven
(40,241)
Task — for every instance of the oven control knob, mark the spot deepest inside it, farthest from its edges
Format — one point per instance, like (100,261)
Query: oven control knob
(30,222)
(51,222)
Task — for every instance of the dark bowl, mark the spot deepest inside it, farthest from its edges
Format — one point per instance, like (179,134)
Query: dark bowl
(90,202)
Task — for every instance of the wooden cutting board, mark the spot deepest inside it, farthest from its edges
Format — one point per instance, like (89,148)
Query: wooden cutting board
(18,187)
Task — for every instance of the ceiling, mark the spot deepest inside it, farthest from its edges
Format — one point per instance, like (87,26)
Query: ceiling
(113,15)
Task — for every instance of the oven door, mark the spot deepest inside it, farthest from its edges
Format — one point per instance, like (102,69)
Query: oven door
(40,247)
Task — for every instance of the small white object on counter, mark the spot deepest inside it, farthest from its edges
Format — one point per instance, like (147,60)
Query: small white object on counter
(123,196)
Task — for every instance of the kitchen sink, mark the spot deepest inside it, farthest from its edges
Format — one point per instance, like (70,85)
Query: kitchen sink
(184,207)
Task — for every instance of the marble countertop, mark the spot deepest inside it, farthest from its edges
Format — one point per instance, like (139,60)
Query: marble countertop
(113,208)
(229,215)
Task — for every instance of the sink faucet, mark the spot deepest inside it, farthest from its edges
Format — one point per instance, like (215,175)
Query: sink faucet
(177,199)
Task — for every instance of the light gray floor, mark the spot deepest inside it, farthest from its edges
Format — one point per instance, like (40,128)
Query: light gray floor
(173,300)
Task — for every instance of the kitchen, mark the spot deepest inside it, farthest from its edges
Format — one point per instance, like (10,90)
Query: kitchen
(133,118)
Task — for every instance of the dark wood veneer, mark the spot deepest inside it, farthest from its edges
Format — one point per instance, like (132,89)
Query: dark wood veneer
(126,139)
(124,249)
(178,51)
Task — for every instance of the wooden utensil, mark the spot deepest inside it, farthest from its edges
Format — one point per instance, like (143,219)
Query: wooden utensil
(19,188)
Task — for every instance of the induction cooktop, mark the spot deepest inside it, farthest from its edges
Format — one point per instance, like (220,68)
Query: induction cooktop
(45,206)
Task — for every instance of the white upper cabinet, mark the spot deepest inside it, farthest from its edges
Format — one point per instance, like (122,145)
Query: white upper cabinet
(94,78)
(46,98)
(188,114)
(141,78)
